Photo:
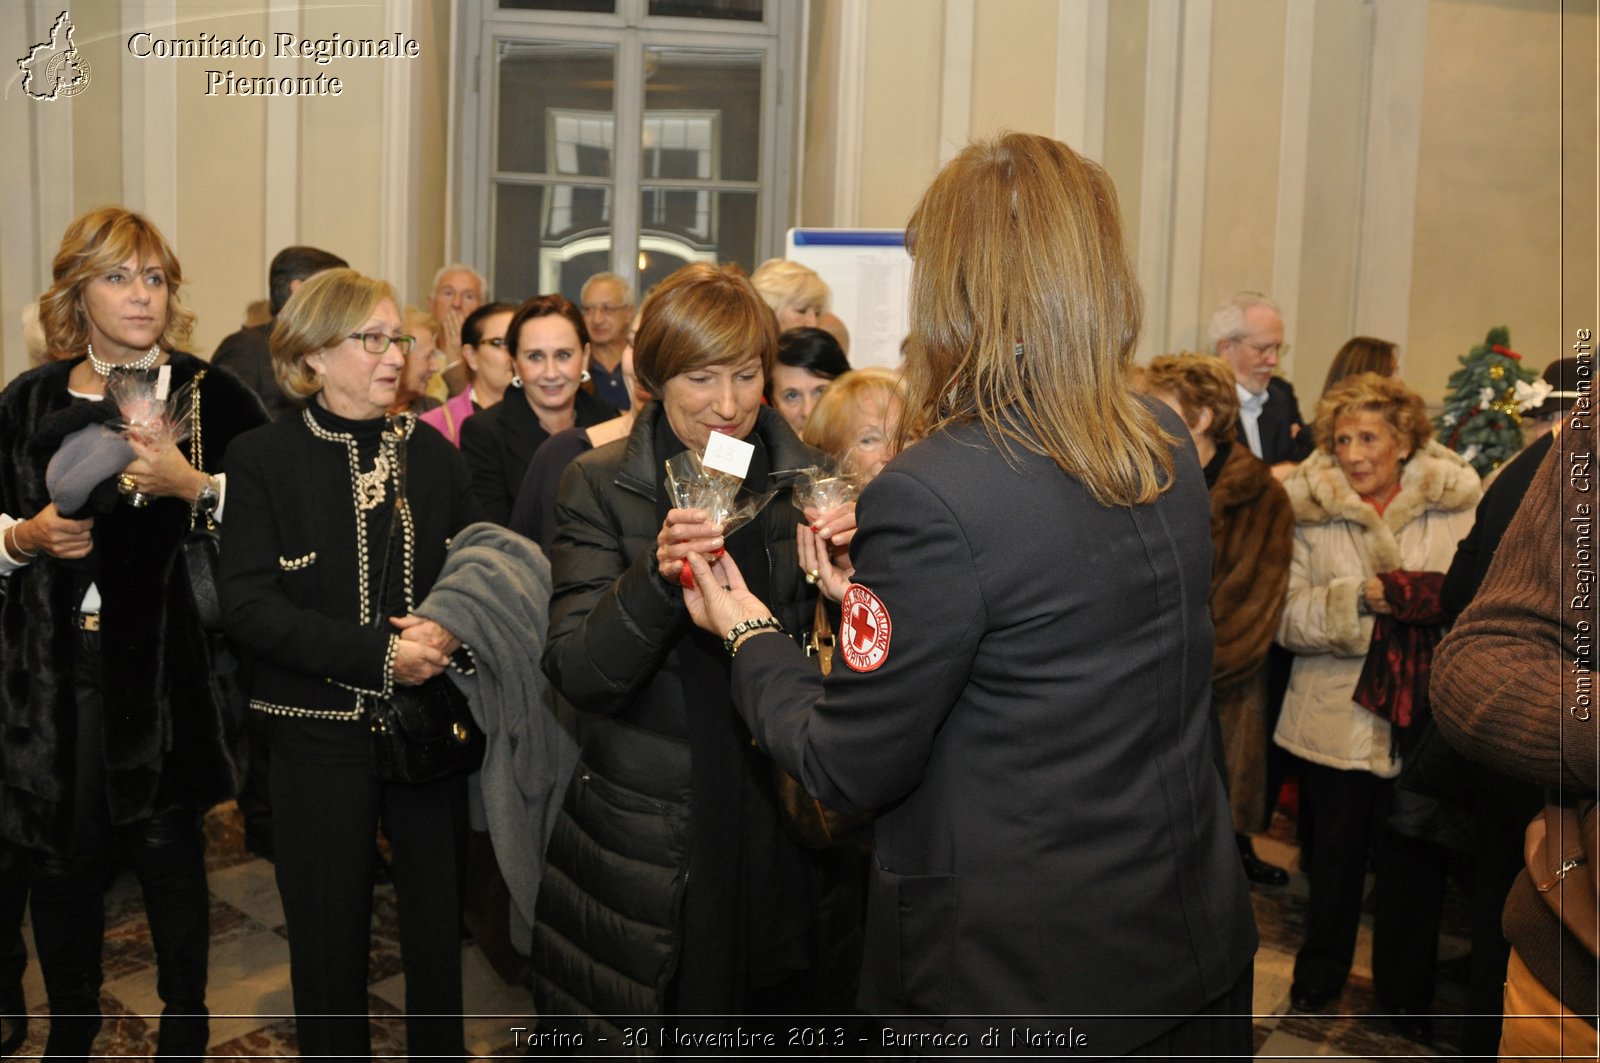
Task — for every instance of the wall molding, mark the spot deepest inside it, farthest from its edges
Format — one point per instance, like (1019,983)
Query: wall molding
(1294,159)
(1389,178)
(150,122)
(280,215)
(955,82)
(1162,52)
(849,116)
(1187,254)
(1082,40)
(397,229)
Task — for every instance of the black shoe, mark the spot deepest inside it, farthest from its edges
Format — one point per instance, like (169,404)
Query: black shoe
(1302,998)
(1410,1024)
(258,842)
(1262,873)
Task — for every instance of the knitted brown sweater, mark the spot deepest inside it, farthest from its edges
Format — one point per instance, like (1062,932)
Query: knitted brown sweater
(1513,681)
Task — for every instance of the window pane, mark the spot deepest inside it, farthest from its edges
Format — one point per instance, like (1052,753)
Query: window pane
(549,238)
(556,103)
(702,114)
(595,7)
(682,225)
(742,10)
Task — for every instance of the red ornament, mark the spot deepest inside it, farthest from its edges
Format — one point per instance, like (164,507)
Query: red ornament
(1507,351)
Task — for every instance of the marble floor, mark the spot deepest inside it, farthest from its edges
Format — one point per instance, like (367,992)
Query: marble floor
(250,1002)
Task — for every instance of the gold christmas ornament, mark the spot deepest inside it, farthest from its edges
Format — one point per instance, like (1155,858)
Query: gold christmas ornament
(1496,372)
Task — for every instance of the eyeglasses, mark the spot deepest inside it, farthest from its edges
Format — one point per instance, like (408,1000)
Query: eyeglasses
(378,343)
(1264,349)
(601,308)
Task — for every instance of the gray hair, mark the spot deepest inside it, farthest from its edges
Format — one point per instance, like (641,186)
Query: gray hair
(622,286)
(461,267)
(1228,322)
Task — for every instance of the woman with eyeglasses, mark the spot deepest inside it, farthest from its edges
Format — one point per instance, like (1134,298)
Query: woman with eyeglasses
(339,521)
(112,741)
(483,349)
(549,350)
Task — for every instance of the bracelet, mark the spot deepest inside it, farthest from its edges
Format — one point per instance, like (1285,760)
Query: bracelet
(14,548)
(744,627)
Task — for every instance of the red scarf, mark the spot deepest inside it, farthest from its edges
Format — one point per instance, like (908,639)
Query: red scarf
(1394,679)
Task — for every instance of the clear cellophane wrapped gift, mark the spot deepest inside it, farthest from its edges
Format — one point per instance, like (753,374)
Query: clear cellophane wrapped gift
(147,415)
(819,490)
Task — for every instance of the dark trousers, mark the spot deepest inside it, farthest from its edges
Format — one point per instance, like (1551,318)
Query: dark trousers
(326,806)
(167,855)
(13,950)
(1408,905)
(1223,1029)
(1350,805)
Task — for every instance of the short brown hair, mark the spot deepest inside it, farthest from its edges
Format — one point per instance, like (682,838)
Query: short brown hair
(1401,409)
(832,420)
(553,305)
(322,312)
(701,315)
(1198,382)
(95,243)
(1361,354)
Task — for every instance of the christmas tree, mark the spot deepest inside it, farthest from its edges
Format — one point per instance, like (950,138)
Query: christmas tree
(1481,419)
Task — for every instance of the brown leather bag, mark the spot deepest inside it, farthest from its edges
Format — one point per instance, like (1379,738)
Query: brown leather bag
(1560,847)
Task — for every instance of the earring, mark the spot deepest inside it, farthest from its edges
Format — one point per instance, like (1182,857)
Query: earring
(585,378)
(516,381)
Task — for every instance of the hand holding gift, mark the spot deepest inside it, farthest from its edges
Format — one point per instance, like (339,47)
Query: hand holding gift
(705,490)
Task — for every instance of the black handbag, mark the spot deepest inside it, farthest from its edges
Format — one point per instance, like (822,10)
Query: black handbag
(426,732)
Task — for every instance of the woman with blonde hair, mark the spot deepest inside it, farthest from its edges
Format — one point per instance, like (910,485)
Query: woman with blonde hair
(1379,508)
(1251,534)
(1052,837)
(794,292)
(343,518)
(114,739)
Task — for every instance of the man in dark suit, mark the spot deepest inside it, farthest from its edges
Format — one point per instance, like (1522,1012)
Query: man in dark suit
(246,352)
(1248,332)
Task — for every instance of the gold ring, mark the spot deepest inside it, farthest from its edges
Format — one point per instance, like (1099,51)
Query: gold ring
(126,484)
(813,575)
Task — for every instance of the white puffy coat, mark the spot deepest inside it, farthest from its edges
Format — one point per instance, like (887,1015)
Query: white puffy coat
(1339,543)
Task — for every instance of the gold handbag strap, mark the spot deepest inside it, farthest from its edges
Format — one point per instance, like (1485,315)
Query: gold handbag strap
(196,450)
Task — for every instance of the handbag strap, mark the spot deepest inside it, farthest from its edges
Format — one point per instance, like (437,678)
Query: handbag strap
(196,446)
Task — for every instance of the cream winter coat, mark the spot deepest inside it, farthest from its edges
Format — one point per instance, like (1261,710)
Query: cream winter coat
(1339,543)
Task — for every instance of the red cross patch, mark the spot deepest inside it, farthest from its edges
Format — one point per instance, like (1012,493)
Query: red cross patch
(866,629)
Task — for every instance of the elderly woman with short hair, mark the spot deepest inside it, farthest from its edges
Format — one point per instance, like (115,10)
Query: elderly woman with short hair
(674,888)
(1252,538)
(1378,507)
(339,523)
(796,294)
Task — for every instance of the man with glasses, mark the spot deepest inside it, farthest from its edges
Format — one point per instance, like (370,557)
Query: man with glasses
(458,290)
(1248,333)
(607,309)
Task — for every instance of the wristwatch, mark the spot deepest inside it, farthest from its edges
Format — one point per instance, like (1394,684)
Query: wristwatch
(209,498)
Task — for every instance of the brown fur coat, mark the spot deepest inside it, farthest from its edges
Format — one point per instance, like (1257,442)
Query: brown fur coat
(1252,536)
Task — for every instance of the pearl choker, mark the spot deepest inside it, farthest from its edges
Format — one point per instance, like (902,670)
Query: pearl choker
(105,368)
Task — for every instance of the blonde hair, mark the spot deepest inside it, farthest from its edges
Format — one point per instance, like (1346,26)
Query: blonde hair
(94,244)
(1024,314)
(321,313)
(416,315)
(701,315)
(783,283)
(832,424)
(1401,409)
(1198,382)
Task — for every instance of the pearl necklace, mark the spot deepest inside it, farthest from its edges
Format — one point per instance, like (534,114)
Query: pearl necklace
(105,368)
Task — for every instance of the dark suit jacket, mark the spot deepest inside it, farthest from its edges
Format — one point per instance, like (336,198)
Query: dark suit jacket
(1495,510)
(499,443)
(1279,416)
(1053,837)
(248,356)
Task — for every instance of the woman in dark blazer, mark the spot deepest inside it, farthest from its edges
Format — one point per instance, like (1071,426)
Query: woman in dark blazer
(673,887)
(322,504)
(1052,837)
(550,353)
(114,742)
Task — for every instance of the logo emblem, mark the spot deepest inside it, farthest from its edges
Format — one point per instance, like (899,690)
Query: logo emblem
(866,629)
(55,69)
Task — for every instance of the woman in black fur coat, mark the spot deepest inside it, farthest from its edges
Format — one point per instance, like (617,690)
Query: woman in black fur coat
(113,743)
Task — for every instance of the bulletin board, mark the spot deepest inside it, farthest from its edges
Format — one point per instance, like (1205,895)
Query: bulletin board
(869,275)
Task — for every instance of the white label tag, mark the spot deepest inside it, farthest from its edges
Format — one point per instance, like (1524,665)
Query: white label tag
(163,382)
(727,454)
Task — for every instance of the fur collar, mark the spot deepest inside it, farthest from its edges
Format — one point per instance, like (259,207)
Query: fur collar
(1434,480)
